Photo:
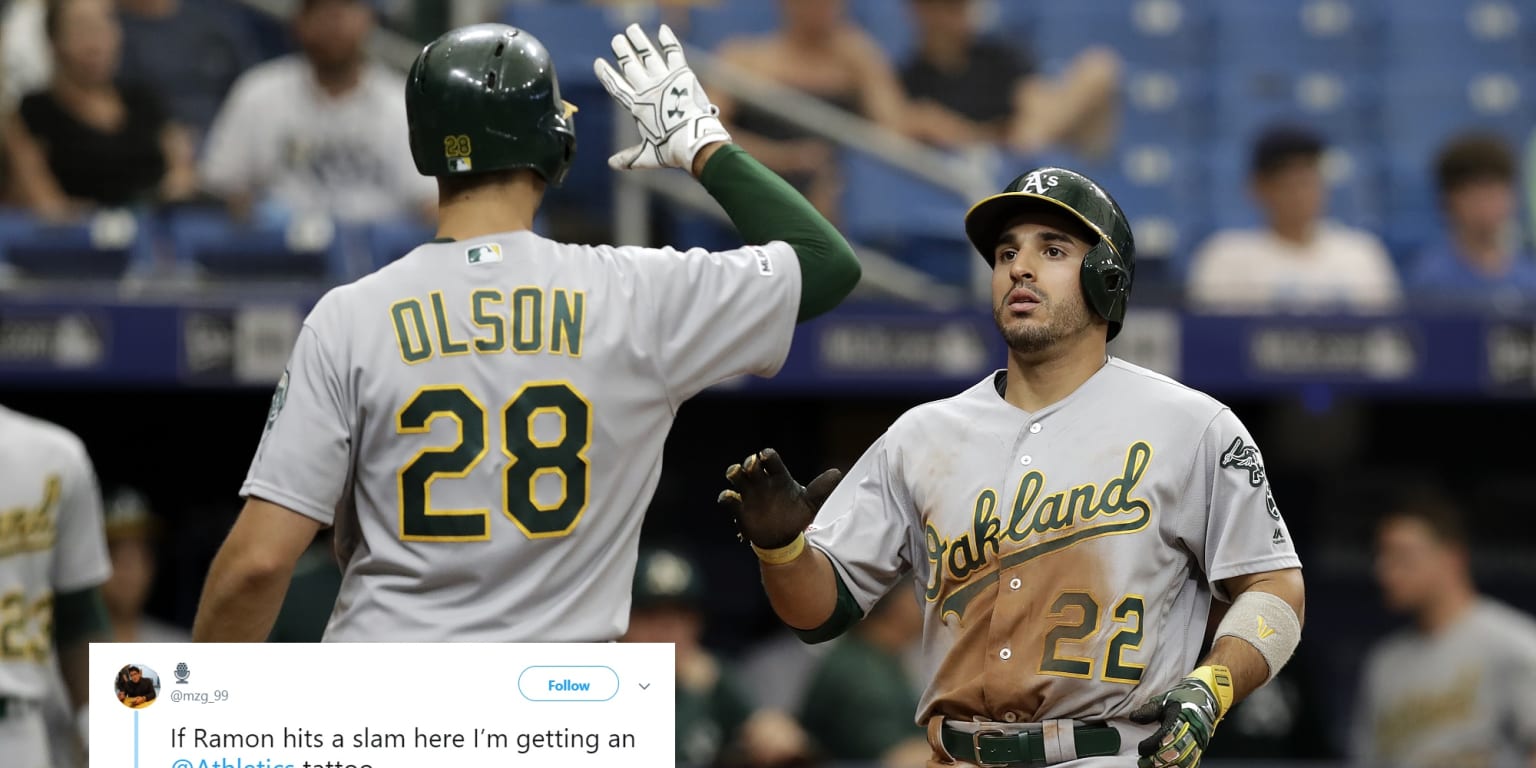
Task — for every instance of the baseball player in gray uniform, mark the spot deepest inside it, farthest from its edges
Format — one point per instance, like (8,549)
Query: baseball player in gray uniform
(482,420)
(53,559)
(1068,520)
(1458,688)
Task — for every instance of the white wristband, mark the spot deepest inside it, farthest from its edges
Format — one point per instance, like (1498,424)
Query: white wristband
(1266,622)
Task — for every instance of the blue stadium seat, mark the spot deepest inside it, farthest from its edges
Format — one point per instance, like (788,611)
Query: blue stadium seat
(1356,179)
(1335,34)
(1171,33)
(1432,36)
(918,223)
(1165,106)
(1159,187)
(1421,111)
(709,25)
(210,241)
(890,24)
(578,33)
(105,247)
(387,241)
(1336,102)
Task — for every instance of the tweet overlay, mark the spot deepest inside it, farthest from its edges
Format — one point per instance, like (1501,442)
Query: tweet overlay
(381,705)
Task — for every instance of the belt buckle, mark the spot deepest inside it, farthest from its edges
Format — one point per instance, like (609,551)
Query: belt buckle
(976,746)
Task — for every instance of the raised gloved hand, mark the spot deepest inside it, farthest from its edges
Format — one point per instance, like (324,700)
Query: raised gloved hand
(772,509)
(1188,713)
(676,119)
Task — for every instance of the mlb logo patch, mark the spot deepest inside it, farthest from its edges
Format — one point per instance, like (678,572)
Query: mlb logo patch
(483,254)
(459,164)
(764,262)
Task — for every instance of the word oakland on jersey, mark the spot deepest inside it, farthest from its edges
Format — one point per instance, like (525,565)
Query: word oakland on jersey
(51,542)
(483,423)
(1065,558)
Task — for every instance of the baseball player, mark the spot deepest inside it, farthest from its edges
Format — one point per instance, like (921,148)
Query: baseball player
(1458,688)
(53,559)
(482,420)
(1068,520)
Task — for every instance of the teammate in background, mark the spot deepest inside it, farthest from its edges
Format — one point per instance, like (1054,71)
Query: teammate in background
(53,559)
(482,420)
(718,723)
(1458,688)
(132,539)
(1068,521)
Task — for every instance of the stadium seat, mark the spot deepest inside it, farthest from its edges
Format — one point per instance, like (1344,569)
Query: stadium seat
(1481,34)
(104,247)
(1336,102)
(578,33)
(711,24)
(305,249)
(1158,186)
(917,222)
(1165,106)
(1422,110)
(1169,33)
(1333,34)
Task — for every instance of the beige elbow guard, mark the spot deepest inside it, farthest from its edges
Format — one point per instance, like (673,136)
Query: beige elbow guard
(1266,622)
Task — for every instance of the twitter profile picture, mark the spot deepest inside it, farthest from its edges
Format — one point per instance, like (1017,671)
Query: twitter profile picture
(137,686)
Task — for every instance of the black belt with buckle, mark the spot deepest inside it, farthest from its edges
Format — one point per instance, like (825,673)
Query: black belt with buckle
(991,747)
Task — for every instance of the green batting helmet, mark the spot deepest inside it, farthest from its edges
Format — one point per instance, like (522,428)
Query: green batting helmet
(1110,264)
(485,98)
(666,577)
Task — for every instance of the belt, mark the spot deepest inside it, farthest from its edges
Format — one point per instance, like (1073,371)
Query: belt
(992,747)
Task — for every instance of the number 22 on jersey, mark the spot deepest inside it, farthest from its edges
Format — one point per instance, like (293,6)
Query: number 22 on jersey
(528,459)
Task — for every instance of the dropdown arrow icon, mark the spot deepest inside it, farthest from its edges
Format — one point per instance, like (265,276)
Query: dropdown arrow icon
(645,686)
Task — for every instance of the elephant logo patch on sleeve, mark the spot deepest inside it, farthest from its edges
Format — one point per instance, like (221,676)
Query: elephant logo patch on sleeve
(1242,456)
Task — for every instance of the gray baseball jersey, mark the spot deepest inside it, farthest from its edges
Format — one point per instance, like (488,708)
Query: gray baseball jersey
(483,423)
(1065,558)
(51,541)
(1462,698)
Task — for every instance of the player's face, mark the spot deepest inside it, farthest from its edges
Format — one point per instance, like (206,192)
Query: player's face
(1037,295)
(88,41)
(1293,195)
(1410,563)
(1481,207)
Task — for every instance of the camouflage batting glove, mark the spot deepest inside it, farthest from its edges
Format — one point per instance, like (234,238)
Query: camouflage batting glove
(659,89)
(1188,713)
(772,510)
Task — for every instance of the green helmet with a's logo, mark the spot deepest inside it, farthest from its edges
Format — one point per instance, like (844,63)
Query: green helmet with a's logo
(485,98)
(1111,262)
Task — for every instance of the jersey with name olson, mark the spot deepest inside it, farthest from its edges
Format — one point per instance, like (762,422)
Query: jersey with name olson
(483,422)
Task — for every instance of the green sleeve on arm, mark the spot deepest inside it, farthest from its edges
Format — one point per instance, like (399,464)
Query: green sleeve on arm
(845,614)
(765,207)
(79,617)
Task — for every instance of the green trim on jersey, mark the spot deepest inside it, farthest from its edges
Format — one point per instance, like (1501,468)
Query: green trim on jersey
(764,207)
(80,616)
(845,614)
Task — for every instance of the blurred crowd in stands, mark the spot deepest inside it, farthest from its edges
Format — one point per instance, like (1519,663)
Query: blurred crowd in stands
(171,104)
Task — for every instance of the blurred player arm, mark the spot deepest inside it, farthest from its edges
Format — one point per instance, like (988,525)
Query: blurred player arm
(250,575)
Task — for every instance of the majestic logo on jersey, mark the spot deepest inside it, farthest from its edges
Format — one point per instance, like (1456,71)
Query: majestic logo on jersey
(1041,523)
(1038,182)
(483,254)
(1242,456)
(31,529)
(279,398)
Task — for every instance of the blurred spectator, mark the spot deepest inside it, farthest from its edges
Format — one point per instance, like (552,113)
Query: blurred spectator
(967,89)
(132,538)
(1458,687)
(1479,260)
(188,52)
(26,62)
(1298,262)
(717,724)
(322,131)
(817,51)
(311,595)
(861,704)
(86,141)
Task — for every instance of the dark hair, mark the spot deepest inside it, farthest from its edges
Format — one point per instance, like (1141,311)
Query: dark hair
(132,669)
(1473,157)
(1435,510)
(53,18)
(1281,145)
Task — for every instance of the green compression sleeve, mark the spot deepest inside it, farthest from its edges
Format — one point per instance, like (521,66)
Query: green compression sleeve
(79,616)
(764,207)
(845,614)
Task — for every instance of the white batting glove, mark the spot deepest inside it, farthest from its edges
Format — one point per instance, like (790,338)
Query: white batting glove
(675,118)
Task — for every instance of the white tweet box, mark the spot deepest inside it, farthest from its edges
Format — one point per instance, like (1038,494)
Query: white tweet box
(381,705)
